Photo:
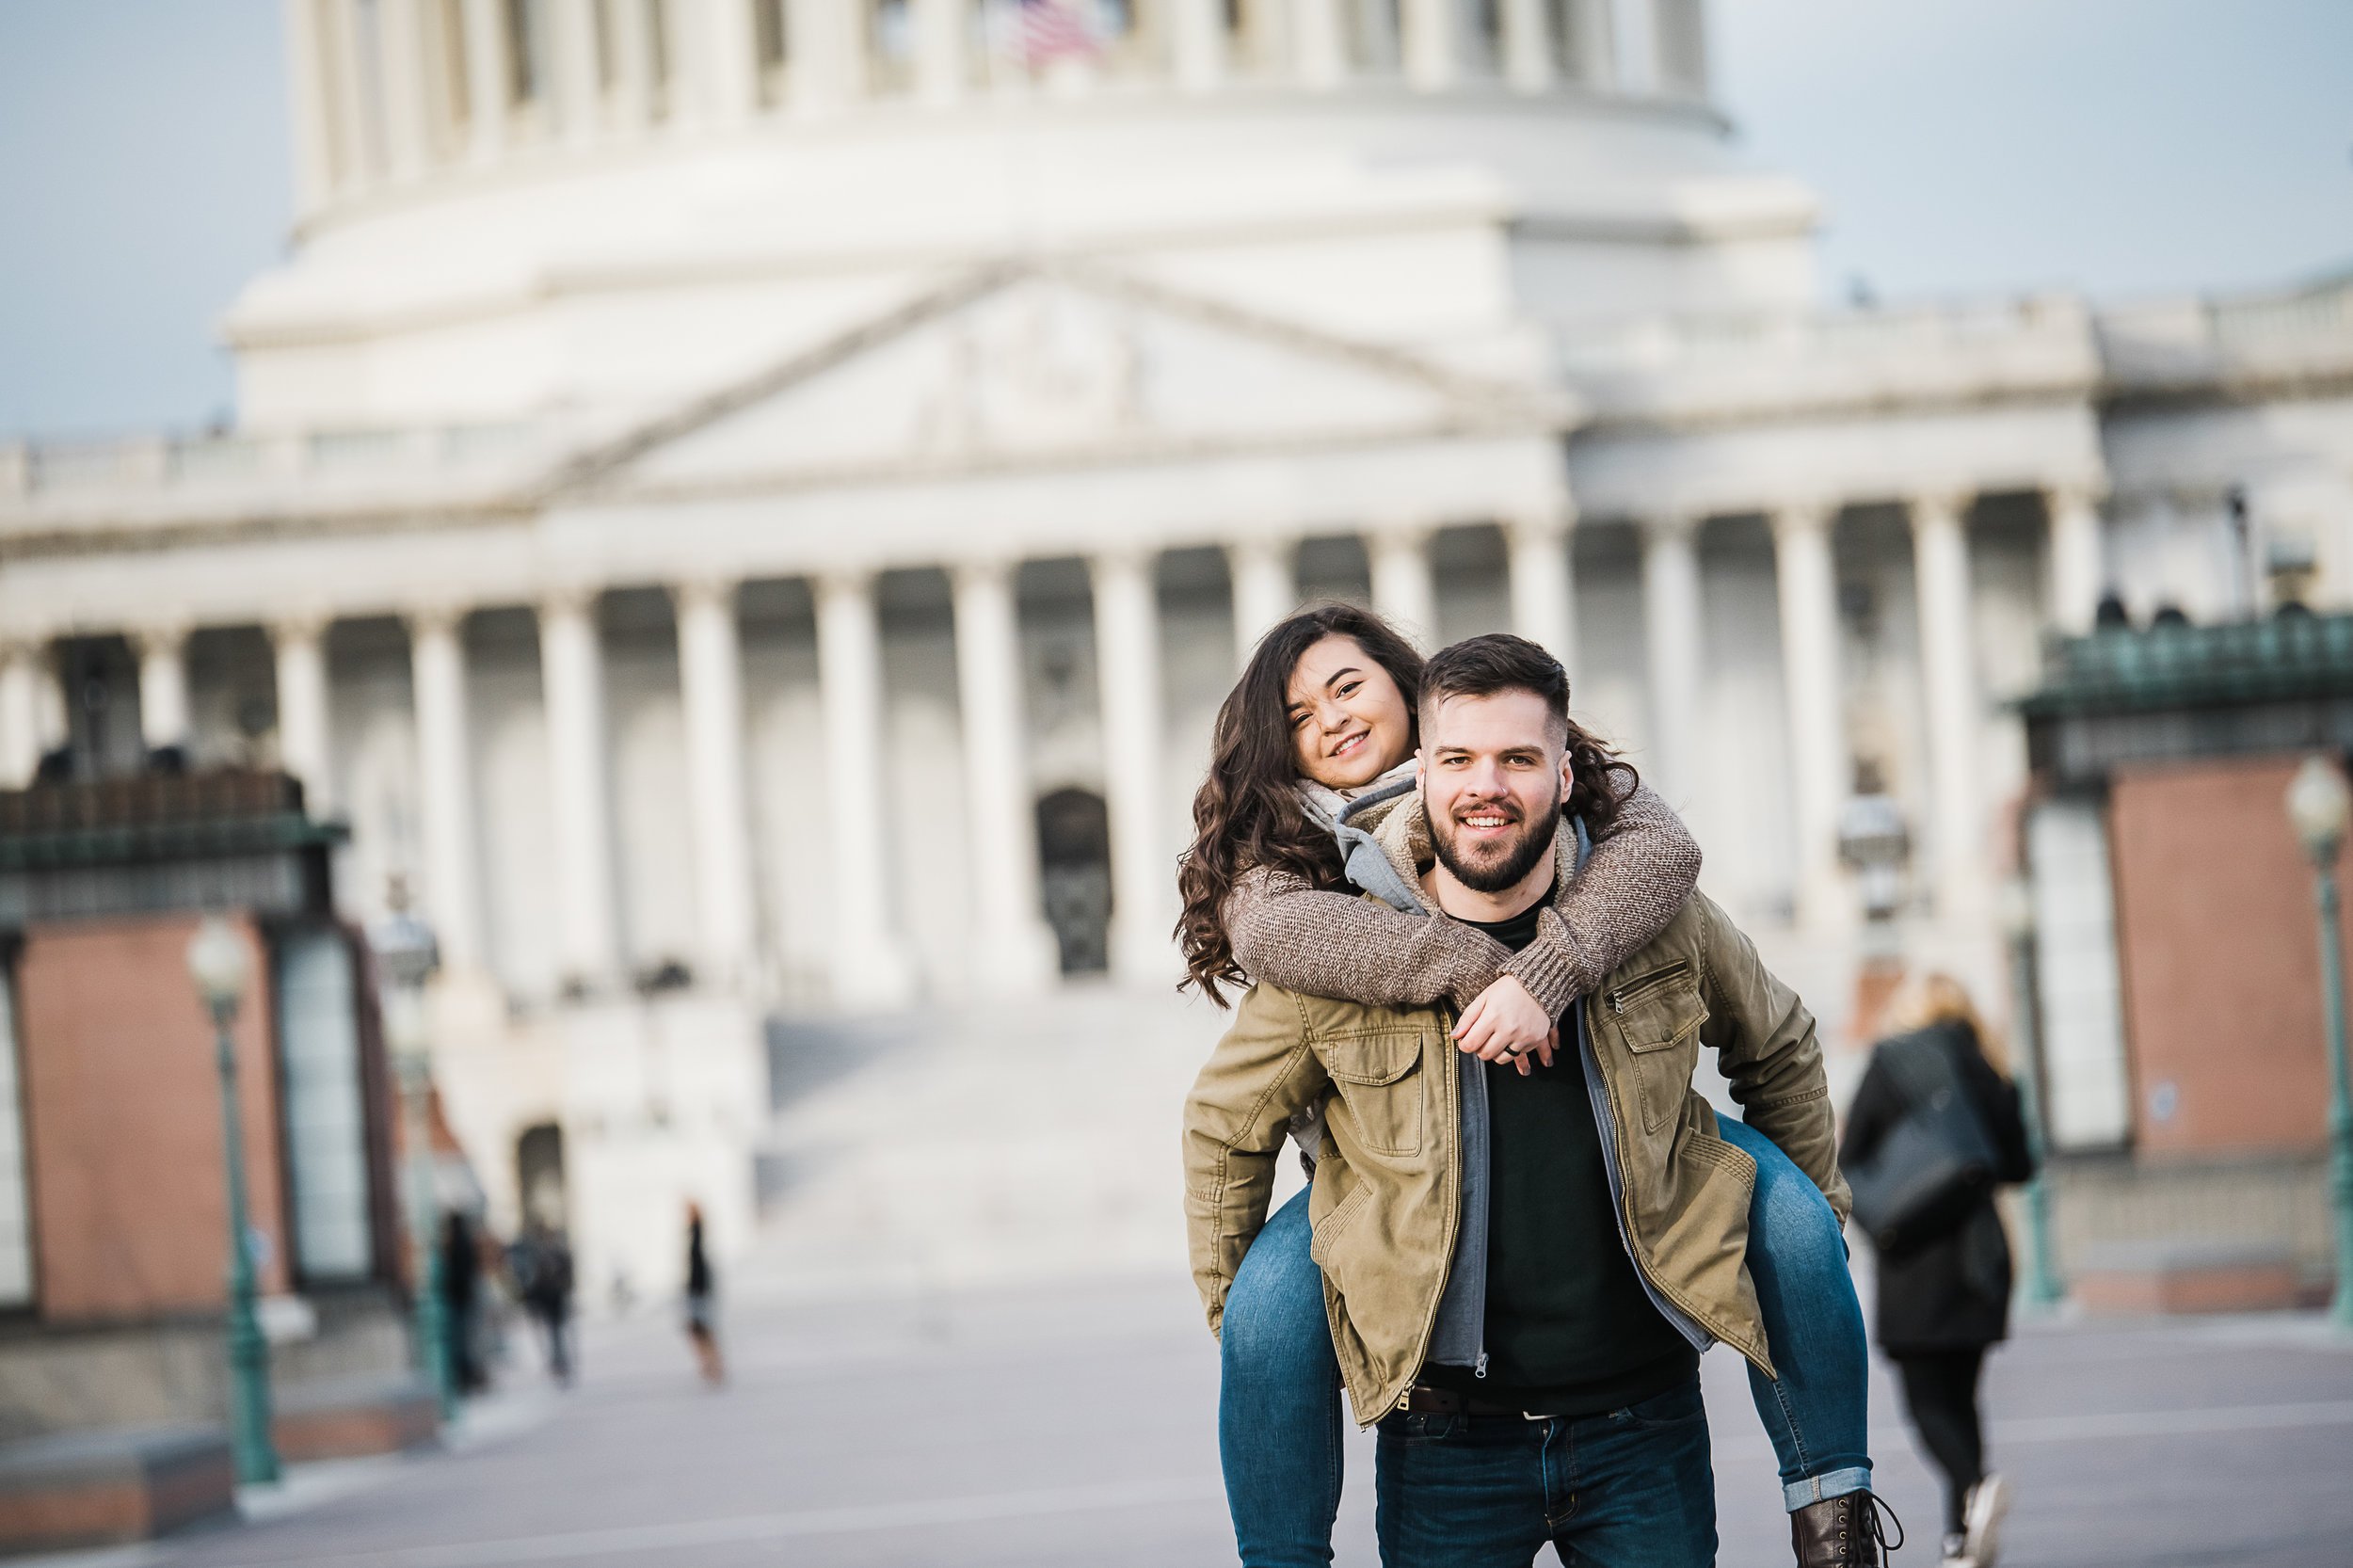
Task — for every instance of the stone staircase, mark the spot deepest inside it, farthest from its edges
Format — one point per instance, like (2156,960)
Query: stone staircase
(991,1142)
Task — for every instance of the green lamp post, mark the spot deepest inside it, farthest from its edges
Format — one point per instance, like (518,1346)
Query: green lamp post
(2318,807)
(406,956)
(216,962)
(2041,1289)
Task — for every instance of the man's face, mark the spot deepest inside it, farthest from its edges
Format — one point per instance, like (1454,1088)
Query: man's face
(1492,780)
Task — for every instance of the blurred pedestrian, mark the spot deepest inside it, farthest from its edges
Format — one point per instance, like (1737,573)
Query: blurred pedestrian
(1937,1099)
(702,1322)
(461,1300)
(543,1276)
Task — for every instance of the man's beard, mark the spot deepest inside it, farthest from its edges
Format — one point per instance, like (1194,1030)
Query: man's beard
(1506,869)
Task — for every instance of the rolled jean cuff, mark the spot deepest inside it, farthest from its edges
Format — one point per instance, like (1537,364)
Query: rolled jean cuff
(1830,1483)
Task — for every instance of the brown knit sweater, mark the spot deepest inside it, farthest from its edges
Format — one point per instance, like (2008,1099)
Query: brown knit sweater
(1335,944)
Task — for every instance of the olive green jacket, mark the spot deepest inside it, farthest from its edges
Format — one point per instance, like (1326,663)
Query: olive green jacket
(1387,1188)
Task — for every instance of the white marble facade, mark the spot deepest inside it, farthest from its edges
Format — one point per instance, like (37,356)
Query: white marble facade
(708,469)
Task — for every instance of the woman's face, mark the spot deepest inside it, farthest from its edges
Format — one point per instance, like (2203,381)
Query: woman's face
(1348,723)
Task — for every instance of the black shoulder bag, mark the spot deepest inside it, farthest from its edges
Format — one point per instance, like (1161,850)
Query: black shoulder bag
(1934,1164)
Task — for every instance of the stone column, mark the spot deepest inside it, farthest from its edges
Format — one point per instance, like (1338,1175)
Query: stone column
(485,78)
(1543,586)
(163,686)
(1634,45)
(303,747)
(1672,618)
(1432,46)
(1197,43)
(939,49)
(1401,585)
(1940,565)
(711,691)
(1805,575)
(1526,45)
(730,60)
(1266,588)
(579,96)
(309,110)
(400,52)
(827,52)
(634,87)
(871,967)
(1013,951)
(23,667)
(2078,570)
(1127,676)
(571,681)
(1319,52)
(348,93)
(437,657)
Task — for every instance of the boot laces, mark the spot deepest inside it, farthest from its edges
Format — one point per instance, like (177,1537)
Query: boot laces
(1872,1516)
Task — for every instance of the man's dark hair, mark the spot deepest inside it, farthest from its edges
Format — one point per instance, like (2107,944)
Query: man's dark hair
(1497,663)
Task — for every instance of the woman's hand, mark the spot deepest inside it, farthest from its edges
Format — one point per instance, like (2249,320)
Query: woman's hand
(1504,1023)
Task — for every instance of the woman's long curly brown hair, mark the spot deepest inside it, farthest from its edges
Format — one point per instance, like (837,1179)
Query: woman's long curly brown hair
(1246,812)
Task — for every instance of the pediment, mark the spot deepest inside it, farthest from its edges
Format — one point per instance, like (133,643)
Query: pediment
(1038,366)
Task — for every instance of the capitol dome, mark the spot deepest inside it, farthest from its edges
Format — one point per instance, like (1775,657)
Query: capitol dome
(513,208)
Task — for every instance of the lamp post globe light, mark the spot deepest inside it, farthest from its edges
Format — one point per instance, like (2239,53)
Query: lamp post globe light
(2041,1289)
(405,957)
(2318,808)
(216,962)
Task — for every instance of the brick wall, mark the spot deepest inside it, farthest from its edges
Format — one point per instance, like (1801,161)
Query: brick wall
(2219,958)
(130,1210)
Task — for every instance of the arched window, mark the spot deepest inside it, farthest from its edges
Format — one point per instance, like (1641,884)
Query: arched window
(1373,30)
(1682,47)
(772,41)
(526,82)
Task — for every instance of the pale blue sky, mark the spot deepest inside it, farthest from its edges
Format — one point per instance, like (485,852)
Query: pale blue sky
(1962,147)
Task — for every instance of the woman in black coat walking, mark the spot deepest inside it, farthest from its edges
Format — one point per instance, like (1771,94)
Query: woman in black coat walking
(1943,1301)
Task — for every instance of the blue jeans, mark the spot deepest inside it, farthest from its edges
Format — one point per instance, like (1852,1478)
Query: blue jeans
(1279,1400)
(1632,1488)
(1278,1405)
(1817,1410)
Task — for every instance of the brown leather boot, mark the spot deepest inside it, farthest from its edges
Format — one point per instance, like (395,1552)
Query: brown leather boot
(1845,1532)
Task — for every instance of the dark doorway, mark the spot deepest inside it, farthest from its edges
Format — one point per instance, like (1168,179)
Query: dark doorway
(1074,851)
(539,1176)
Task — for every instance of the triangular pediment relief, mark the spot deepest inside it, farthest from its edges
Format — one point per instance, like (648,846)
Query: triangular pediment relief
(1035,366)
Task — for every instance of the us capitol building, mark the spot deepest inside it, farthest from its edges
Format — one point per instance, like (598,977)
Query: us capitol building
(748,507)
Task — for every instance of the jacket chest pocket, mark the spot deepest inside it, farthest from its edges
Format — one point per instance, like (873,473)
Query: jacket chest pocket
(1380,1081)
(1657,1017)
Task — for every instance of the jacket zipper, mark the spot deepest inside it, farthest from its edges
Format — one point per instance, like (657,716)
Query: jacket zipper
(1598,1091)
(1453,1224)
(1648,983)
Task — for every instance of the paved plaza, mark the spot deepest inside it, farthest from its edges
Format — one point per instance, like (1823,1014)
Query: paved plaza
(1075,1427)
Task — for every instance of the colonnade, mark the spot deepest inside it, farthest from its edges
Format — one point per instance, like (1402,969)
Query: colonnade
(1013,951)
(386,92)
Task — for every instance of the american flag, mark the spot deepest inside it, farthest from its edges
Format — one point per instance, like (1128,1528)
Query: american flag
(1055,29)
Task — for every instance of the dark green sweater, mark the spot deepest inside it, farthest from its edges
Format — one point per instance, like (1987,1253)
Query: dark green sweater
(1569,1328)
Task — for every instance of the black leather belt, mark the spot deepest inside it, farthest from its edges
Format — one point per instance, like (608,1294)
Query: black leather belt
(1422,1399)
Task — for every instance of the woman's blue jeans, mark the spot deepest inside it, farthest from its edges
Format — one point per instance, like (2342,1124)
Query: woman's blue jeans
(1279,1420)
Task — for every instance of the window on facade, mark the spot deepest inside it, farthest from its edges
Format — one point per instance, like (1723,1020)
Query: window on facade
(1255,31)
(890,44)
(656,20)
(1578,41)
(1682,47)
(1373,30)
(520,19)
(325,1106)
(16,1207)
(773,38)
(1482,50)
